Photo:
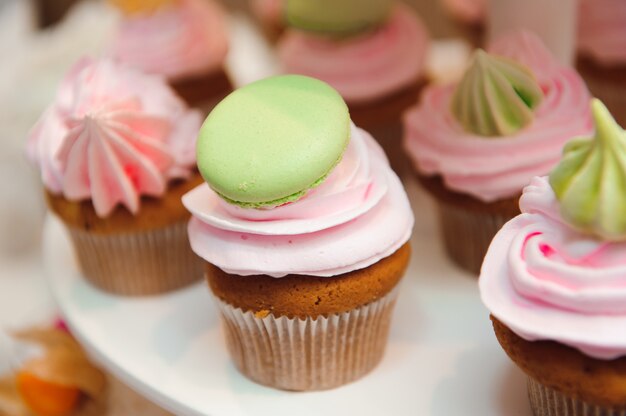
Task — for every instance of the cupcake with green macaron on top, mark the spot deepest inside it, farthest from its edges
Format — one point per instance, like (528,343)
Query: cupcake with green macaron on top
(304,230)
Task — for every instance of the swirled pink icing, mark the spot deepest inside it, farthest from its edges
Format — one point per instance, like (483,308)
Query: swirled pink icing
(602,31)
(112,135)
(363,67)
(467,11)
(184,39)
(327,232)
(495,168)
(547,281)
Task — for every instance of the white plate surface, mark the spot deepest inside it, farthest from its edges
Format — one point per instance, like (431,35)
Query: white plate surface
(442,358)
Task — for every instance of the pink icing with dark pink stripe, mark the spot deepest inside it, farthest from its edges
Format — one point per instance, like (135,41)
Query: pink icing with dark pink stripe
(547,281)
(112,135)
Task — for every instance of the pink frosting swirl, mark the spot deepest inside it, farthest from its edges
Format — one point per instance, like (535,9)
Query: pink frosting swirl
(112,135)
(326,233)
(184,39)
(547,281)
(364,67)
(602,30)
(495,168)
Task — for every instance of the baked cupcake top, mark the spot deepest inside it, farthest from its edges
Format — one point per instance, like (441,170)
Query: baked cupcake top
(112,135)
(558,271)
(178,39)
(320,222)
(518,85)
(377,58)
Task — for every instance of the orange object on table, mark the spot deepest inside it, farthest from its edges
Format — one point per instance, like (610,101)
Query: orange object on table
(45,398)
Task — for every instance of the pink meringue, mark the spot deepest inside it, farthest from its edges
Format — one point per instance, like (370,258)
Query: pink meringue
(602,31)
(326,233)
(113,135)
(185,39)
(547,281)
(364,67)
(489,169)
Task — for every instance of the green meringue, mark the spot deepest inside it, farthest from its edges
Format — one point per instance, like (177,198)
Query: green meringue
(337,17)
(590,180)
(496,96)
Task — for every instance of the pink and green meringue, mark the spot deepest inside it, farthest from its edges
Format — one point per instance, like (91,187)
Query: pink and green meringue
(491,169)
(590,181)
(496,97)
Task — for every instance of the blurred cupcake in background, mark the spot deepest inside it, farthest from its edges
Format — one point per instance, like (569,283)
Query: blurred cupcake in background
(554,279)
(270,15)
(185,41)
(476,144)
(602,52)
(469,17)
(305,232)
(372,52)
(116,151)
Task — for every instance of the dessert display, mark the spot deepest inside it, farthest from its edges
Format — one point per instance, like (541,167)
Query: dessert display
(553,279)
(185,41)
(116,151)
(602,52)
(373,53)
(48,374)
(476,144)
(294,193)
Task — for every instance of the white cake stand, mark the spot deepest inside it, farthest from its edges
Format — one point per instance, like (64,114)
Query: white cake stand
(442,358)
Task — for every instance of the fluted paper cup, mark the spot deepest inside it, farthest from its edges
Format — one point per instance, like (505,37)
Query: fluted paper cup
(308,354)
(545,401)
(138,263)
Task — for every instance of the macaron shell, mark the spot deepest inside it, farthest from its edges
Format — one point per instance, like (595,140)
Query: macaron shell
(337,17)
(269,142)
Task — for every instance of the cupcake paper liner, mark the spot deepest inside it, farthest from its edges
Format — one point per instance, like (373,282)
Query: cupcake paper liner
(545,401)
(308,354)
(140,263)
(467,234)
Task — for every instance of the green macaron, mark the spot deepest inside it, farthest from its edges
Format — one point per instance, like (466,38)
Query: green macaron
(269,142)
(337,17)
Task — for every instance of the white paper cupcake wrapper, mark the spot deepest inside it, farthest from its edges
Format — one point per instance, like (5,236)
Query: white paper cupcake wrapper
(140,263)
(308,354)
(545,401)
(467,234)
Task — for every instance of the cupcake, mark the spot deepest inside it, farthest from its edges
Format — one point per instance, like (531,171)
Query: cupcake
(476,144)
(602,52)
(185,41)
(553,279)
(269,14)
(372,53)
(116,154)
(469,18)
(295,193)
